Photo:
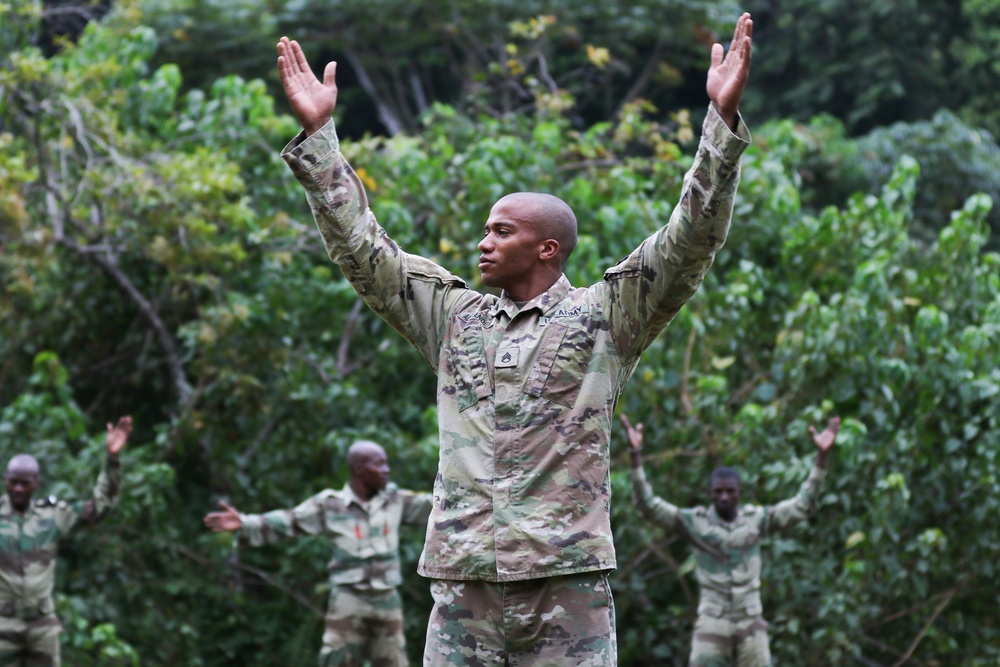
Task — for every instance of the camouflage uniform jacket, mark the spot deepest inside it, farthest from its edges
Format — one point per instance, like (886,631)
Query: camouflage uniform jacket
(29,543)
(365,536)
(524,396)
(727,553)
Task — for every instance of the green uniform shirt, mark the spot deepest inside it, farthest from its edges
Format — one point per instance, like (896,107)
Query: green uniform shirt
(364,536)
(727,553)
(29,543)
(525,396)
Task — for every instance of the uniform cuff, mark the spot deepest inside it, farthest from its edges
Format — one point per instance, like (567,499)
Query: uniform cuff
(817,475)
(729,144)
(314,149)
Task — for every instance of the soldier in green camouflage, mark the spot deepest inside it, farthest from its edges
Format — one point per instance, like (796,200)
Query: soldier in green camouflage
(30,533)
(364,616)
(519,543)
(730,630)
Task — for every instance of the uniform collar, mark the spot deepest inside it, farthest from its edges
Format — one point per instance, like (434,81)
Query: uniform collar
(544,302)
(375,501)
(6,507)
(737,521)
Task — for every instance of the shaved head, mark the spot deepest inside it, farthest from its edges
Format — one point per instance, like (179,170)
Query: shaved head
(21,480)
(723,472)
(551,216)
(369,468)
(360,451)
(23,464)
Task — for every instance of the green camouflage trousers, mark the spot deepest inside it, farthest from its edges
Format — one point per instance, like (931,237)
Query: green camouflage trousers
(553,622)
(29,643)
(729,641)
(363,626)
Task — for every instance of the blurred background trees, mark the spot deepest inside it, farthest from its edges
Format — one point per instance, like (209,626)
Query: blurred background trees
(159,260)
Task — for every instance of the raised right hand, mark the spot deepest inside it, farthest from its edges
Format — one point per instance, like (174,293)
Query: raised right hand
(224,521)
(634,435)
(312,102)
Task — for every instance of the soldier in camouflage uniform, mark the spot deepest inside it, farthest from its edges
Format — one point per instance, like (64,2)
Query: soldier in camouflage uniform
(364,616)
(730,630)
(519,542)
(29,542)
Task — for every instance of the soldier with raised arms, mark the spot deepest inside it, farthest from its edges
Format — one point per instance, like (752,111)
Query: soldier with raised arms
(730,630)
(30,533)
(519,542)
(364,615)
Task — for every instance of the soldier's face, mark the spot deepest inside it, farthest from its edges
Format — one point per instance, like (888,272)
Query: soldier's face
(725,494)
(20,487)
(374,471)
(510,246)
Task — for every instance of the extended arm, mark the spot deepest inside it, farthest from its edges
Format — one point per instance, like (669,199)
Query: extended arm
(653,283)
(257,529)
(797,509)
(105,494)
(409,292)
(651,507)
(416,507)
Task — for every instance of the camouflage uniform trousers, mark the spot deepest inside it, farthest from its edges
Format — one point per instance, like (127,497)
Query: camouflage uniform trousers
(555,621)
(30,642)
(730,641)
(363,626)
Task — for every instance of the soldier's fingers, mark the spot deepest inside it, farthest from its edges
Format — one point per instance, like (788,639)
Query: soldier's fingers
(301,64)
(717,53)
(330,74)
(229,508)
(625,421)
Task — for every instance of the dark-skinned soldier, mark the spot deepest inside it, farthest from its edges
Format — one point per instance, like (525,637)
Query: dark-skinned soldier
(30,533)
(730,630)
(519,543)
(364,615)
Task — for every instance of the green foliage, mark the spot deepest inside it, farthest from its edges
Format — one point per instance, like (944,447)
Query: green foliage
(959,160)
(159,261)
(868,63)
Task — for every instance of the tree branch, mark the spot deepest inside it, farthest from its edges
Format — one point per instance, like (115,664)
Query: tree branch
(927,626)
(109,262)
(685,396)
(344,366)
(644,76)
(393,124)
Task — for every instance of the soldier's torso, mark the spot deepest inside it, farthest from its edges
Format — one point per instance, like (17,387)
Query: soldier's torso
(29,544)
(365,540)
(525,401)
(727,558)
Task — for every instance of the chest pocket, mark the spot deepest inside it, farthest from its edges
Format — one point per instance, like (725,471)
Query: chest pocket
(467,362)
(561,363)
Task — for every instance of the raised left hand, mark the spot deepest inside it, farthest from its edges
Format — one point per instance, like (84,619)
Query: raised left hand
(117,436)
(824,441)
(728,74)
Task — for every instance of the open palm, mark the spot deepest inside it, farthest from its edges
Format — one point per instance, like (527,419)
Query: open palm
(312,101)
(824,440)
(727,76)
(117,435)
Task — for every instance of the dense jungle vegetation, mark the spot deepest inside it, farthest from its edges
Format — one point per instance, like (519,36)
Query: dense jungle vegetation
(158,259)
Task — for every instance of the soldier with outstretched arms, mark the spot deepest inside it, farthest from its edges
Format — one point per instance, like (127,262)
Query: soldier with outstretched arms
(364,615)
(519,542)
(730,630)
(30,533)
